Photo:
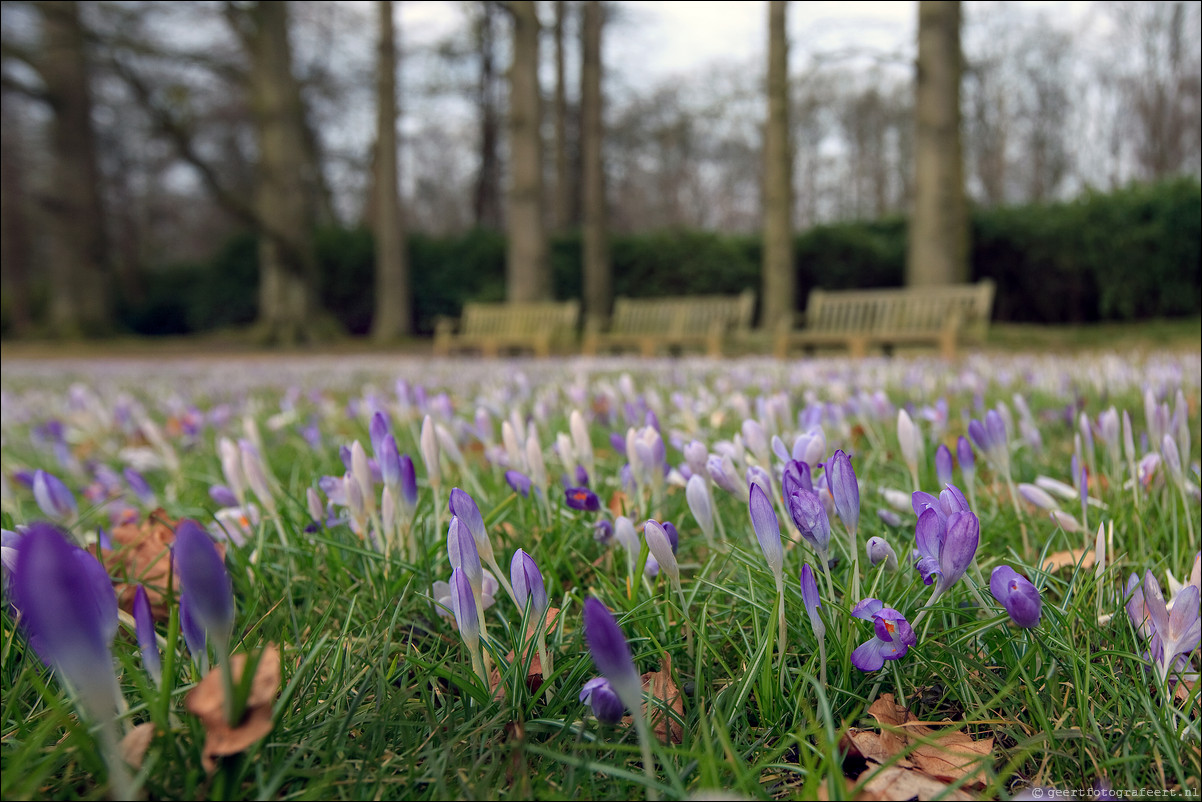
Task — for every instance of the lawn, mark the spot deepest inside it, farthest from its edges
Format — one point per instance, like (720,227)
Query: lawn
(711,664)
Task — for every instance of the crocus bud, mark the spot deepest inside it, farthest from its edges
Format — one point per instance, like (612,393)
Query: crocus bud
(69,610)
(256,474)
(796,476)
(377,430)
(810,599)
(808,514)
(534,461)
(696,455)
(231,467)
(518,481)
(611,653)
(138,484)
(429,449)
(204,580)
(845,490)
(191,629)
(767,529)
(909,438)
(389,458)
(879,550)
(697,494)
(313,502)
(527,583)
(463,507)
(943,464)
(408,497)
(144,628)
(661,548)
(462,552)
(581,441)
(600,695)
(1017,596)
(1037,496)
(959,547)
(222,496)
(53,497)
(463,605)
(361,471)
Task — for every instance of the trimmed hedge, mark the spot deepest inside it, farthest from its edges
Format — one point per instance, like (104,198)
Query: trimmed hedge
(1131,254)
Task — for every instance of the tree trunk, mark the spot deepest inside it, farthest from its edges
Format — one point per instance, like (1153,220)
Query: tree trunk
(486,203)
(528,275)
(779,279)
(288,307)
(14,228)
(394,315)
(598,280)
(938,250)
(563,178)
(78,254)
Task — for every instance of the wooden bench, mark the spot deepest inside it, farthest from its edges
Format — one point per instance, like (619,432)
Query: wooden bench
(696,321)
(885,318)
(490,327)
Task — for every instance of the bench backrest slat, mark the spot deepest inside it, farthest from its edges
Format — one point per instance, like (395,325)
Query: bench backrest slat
(912,310)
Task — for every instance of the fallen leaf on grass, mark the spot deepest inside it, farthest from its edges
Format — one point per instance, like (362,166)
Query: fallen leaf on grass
(136,742)
(1068,559)
(665,697)
(141,554)
(618,503)
(933,757)
(954,756)
(896,782)
(207,702)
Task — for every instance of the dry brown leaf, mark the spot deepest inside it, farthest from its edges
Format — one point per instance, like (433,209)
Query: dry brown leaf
(667,698)
(954,756)
(207,702)
(878,747)
(895,782)
(1063,559)
(141,554)
(938,756)
(618,503)
(136,742)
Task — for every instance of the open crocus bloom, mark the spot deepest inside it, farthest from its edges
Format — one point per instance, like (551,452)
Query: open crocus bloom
(893,635)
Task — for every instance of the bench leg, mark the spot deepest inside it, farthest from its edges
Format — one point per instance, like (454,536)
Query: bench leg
(947,345)
(647,347)
(857,347)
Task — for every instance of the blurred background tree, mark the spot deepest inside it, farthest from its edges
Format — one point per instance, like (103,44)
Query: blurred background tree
(1065,109)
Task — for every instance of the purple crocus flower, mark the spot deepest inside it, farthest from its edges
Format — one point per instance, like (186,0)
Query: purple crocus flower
(845,489)
(809,598)
(1179,632)
(697,494)
(796,476)
(603,531)
(377,430)
(880,551)
(193,632)
(611,652)
(138,484)
(893,635)
(807,512)
(767,529)
(581,498)
(600,695)
(204,581)
(967,458)
(69,611)
(528,584)
(946,546)
(943,464)
(144,628)
(1017,595)
(222,496)
(53,497)
(519,481)
(463,606)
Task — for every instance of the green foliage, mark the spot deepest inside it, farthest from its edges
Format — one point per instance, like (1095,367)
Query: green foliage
(1130,254)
